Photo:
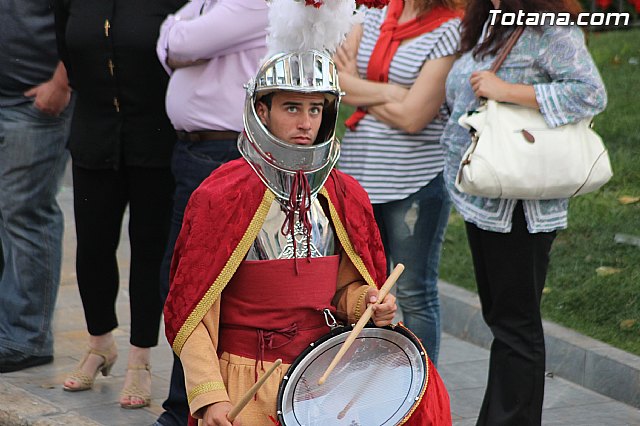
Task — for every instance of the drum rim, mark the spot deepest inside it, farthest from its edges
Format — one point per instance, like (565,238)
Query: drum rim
(399,328)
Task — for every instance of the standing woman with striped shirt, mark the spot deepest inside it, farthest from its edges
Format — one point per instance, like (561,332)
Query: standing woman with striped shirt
(393,67)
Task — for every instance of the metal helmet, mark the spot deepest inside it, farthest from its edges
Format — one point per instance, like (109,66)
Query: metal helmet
(275,161)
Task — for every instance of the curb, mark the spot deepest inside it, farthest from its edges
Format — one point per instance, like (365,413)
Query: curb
(580,359)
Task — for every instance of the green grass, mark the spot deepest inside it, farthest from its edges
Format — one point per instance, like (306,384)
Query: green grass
(604,307)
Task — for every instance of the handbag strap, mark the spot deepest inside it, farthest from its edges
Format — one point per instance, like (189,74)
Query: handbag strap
(511,41)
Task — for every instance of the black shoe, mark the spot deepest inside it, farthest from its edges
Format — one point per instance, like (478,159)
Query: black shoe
(15,361)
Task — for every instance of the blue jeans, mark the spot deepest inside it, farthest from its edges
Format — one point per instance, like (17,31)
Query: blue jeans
(412,232)
(192,162)
(33,157)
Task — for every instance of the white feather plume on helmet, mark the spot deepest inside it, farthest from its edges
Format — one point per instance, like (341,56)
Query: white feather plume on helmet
(298,25)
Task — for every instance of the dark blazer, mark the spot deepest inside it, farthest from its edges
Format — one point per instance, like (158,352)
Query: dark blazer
(109,49)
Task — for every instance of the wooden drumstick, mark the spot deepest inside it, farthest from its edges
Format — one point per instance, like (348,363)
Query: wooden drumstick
(231,416)
(363,321)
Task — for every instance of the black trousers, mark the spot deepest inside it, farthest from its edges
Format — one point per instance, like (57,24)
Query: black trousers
(100,199)
(510,273)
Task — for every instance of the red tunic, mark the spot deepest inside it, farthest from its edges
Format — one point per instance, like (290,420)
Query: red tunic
(252,327)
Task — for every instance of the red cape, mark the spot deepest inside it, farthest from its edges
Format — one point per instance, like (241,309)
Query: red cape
(223,218)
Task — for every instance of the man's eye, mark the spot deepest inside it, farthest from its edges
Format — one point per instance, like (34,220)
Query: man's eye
(316,110)
(292,109)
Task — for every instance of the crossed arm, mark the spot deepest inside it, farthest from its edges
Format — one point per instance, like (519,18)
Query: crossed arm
(409,109)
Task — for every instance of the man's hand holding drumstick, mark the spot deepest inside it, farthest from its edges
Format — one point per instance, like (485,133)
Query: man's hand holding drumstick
(382,313)
(381,316)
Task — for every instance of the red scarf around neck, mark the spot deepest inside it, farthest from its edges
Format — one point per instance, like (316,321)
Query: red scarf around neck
(391,35)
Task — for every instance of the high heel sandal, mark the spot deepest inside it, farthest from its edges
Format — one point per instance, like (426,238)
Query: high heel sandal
(134,390)
(86,381)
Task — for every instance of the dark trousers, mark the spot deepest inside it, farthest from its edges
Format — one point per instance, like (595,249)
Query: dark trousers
(100,199)
(510,273)
(192,162)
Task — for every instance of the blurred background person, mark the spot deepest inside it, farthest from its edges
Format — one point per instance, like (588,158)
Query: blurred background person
(548,69)
(120,143)
(34,124)
(210,49)
(393,68)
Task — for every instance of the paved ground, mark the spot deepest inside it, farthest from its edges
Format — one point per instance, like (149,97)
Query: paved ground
(35,396)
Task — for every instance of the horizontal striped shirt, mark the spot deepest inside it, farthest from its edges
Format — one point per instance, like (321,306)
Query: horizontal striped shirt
(568,88)
(389,163)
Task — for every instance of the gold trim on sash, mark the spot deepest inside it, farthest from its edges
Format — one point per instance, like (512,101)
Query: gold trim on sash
(346,243)
(226,273)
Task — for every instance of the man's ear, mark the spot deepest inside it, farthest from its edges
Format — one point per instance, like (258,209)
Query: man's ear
(262,110)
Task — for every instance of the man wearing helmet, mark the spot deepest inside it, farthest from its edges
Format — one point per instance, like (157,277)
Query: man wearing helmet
(271,263)
(292,243)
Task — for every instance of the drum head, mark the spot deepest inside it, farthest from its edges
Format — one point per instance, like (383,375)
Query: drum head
(377,382)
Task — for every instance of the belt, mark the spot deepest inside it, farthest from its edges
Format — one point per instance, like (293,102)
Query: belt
(206,135)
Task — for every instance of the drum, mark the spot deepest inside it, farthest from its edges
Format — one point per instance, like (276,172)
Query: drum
(379,381)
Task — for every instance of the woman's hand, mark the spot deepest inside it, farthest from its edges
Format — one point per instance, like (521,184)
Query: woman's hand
(384,312)
(216,415)
(345,57)
(486,84)
(346,61)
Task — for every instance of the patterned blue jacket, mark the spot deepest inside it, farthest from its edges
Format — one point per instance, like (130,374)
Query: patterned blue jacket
(568,88)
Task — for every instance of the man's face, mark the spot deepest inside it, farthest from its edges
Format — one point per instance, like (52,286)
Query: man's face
(294,117)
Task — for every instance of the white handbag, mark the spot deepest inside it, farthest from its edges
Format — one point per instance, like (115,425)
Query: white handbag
(514,154)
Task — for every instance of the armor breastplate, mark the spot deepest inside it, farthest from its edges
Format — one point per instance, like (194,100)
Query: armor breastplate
(271,244)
